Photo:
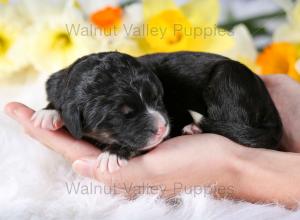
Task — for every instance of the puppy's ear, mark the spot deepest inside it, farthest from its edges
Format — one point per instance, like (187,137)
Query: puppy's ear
(71,118)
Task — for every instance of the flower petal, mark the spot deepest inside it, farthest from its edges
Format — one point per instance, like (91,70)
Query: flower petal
(202,12)
(287,33)
(90,6)
(217,43)
(295,15)
(244,49)
(154,7)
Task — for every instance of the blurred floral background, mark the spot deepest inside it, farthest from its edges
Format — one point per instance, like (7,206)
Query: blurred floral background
(38,37)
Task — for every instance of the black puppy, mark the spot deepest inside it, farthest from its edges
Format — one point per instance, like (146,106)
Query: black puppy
(125,105)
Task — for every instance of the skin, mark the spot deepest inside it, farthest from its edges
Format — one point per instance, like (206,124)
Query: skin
(234,171)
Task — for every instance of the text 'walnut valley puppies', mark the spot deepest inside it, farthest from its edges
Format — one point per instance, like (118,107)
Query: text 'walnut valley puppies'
(126,105)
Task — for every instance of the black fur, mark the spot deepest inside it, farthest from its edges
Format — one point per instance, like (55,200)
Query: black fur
(104,98)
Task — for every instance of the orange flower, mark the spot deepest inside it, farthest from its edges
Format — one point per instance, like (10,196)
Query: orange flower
(279,58)
(107,17)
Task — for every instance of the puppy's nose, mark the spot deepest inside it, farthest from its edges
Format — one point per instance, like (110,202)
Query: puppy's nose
(161,130)
(161,126)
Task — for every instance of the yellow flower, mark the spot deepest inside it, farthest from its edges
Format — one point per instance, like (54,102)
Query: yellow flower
(171,39)
(189,27)
(279,58)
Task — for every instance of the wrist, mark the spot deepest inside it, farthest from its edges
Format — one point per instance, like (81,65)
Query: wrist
(260,176)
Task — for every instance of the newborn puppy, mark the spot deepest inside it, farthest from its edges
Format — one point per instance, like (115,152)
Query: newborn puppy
(125,105)
(111,100)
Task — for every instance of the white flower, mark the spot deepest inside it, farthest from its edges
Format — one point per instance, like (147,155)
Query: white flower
(290,31)
(42,10)
(244,49)
(12,42)
(90,6)
(54,44)
(123,41)
(132,16)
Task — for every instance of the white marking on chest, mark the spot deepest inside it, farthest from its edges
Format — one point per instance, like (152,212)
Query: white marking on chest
(197,117)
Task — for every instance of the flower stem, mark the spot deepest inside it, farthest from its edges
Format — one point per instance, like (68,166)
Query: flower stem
(252,21)
(124,4)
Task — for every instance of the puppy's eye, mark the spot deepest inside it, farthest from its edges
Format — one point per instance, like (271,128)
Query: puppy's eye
(159,101)
(126,110)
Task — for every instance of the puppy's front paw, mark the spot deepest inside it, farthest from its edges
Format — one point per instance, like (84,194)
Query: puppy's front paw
(47,119)
(108,162)
(191,129)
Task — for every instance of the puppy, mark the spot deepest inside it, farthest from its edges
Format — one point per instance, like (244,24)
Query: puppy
(126,105)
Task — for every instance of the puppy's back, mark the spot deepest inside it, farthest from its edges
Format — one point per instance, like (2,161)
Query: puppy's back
(233,100)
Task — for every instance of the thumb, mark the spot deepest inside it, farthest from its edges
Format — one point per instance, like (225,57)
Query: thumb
(85,166)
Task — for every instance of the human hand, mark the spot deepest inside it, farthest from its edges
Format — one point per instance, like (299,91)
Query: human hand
(285,93)
(206,157)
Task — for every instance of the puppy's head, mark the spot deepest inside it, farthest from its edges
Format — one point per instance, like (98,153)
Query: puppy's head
(116,100)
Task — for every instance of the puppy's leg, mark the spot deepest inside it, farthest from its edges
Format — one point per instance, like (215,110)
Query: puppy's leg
(114,157)
(108,162)
(191,129)
(47,118)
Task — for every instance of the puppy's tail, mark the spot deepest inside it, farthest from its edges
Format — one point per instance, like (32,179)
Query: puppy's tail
(263,137)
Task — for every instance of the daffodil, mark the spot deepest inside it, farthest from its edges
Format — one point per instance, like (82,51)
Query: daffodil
(244,49)
(286,50)
(58,41)
(279,58)
(92,6)
(107,17)
(12,49)
(290,31)
(191,26)
(114,23)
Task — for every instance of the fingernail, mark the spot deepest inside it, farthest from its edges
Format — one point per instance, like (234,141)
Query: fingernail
(83,167)
(16,112)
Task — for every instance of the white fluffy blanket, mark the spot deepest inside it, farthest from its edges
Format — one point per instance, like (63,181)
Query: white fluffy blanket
(35,184)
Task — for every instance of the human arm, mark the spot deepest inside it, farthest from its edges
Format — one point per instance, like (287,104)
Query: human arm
(255,175)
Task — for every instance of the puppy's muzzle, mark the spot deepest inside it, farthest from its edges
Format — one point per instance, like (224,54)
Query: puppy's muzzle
(162,129)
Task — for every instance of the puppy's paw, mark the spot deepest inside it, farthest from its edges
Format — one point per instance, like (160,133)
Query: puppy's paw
(47,119)
(108,162)
(191,129)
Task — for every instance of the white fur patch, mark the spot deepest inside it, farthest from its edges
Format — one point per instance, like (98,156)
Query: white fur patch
(110,162)
(47,119)
(197,117)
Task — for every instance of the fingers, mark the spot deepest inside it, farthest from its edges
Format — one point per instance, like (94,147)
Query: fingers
(60,141)
(121,180)
(106,169)
(86,166)
(276,79)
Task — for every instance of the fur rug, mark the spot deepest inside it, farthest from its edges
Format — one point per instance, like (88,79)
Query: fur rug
(36,183)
